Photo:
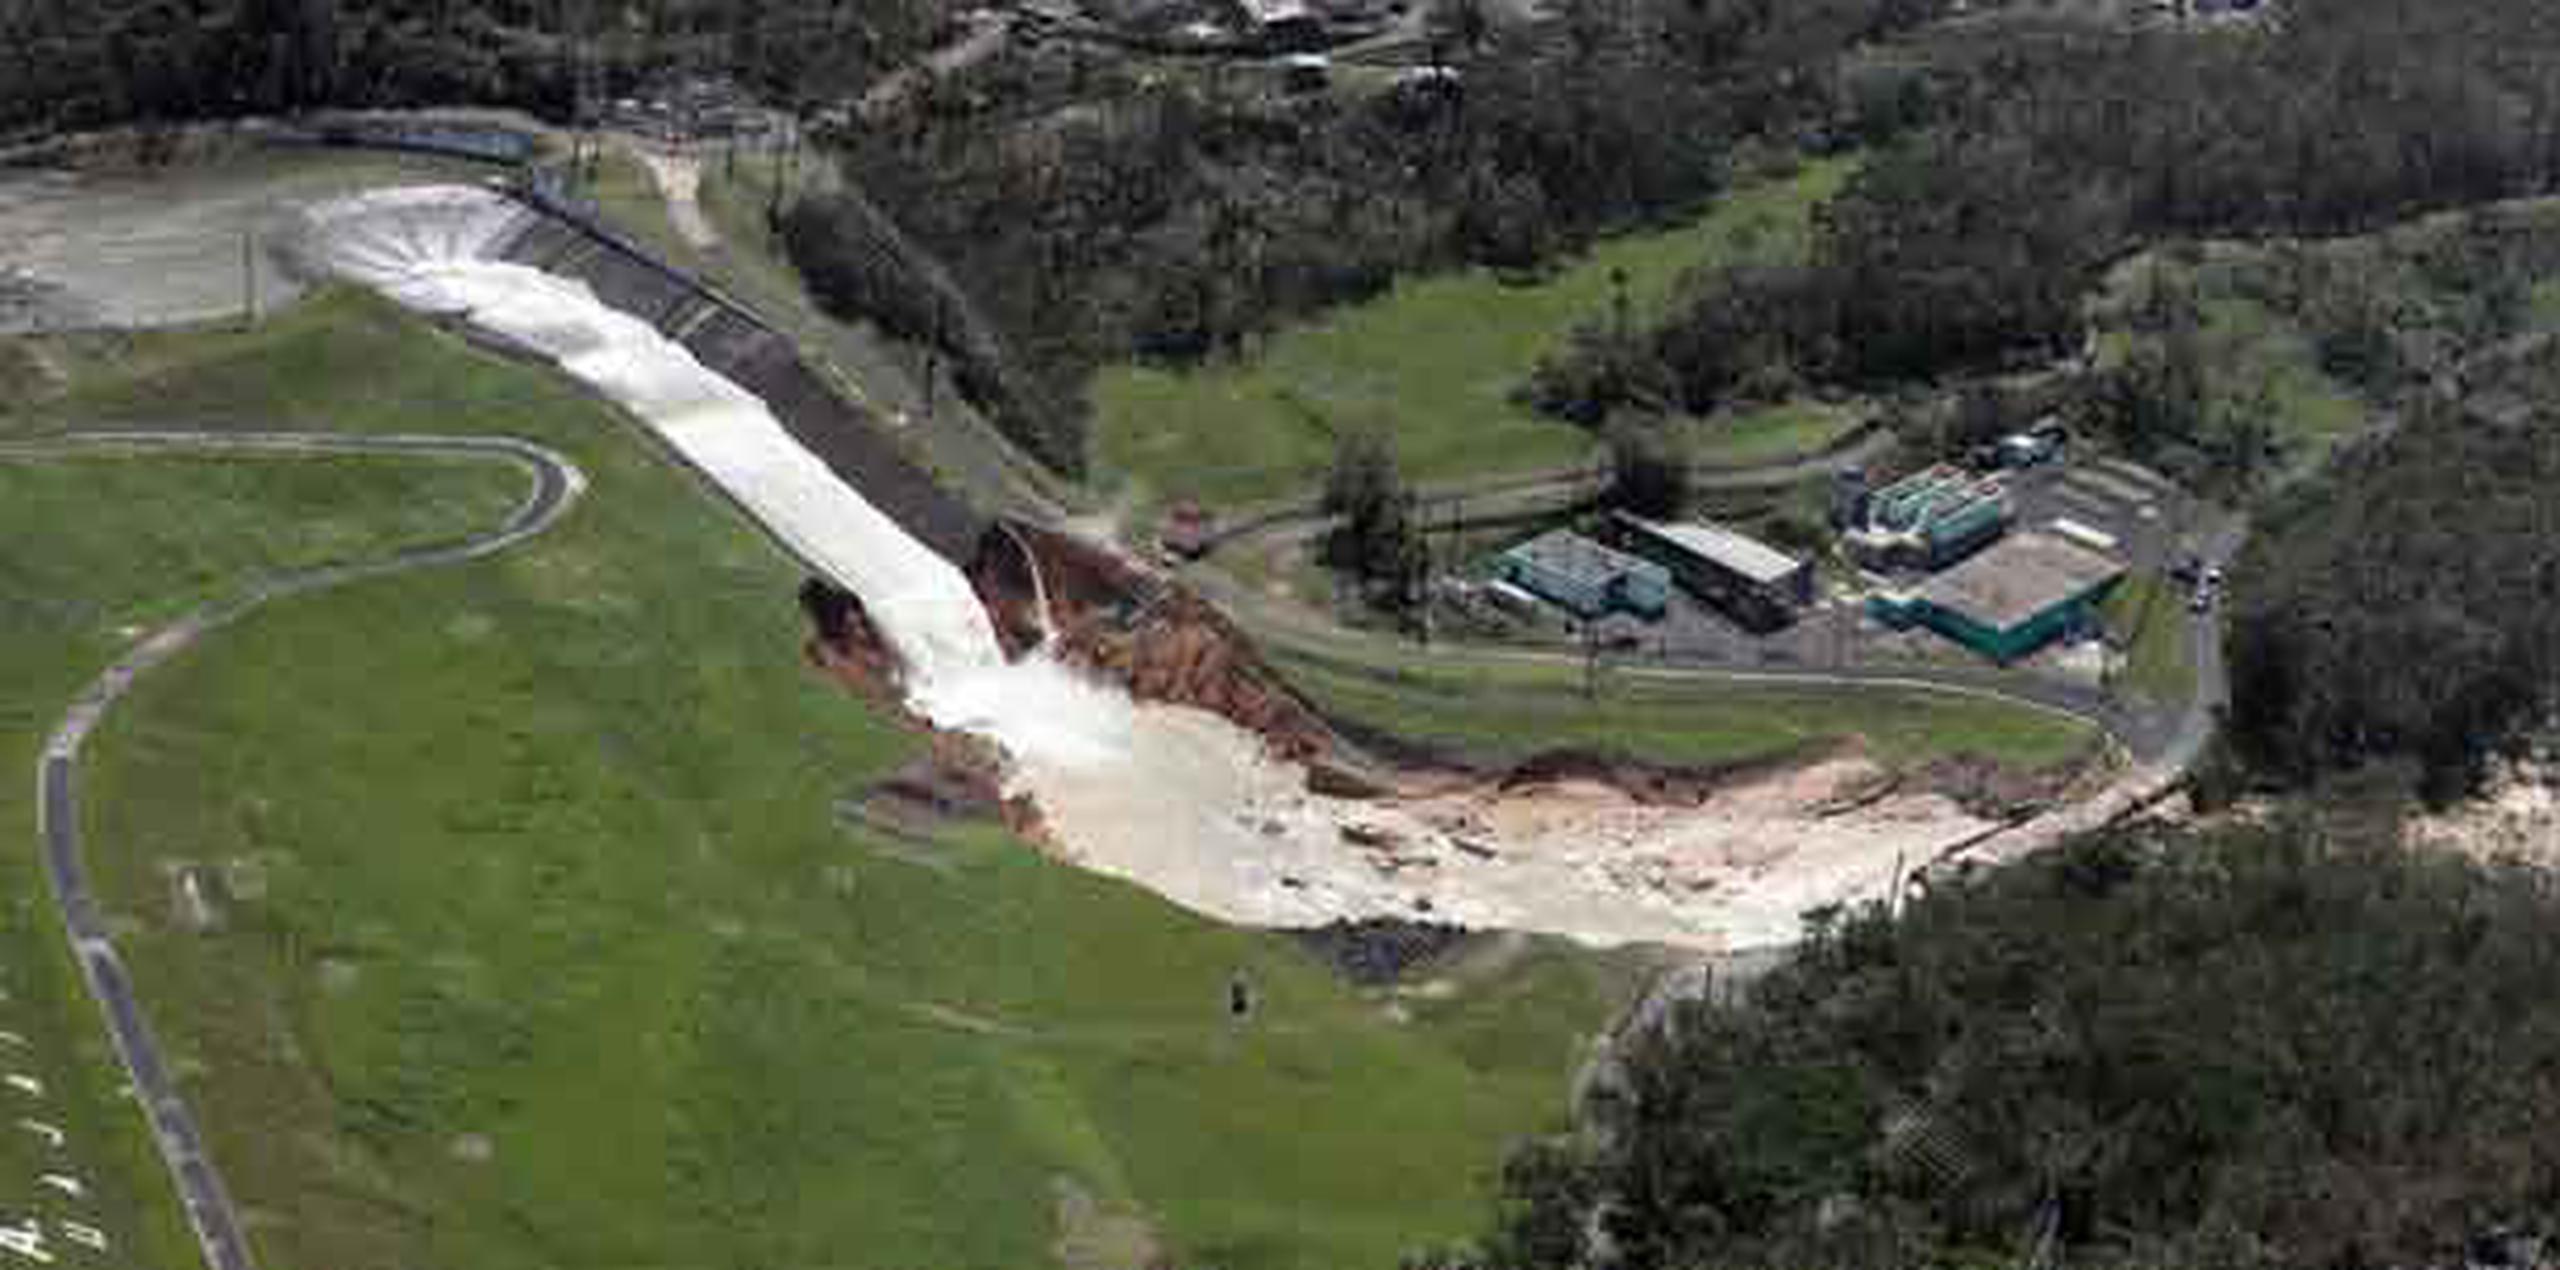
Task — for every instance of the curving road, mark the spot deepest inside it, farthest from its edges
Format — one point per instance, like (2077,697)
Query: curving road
(2150,737)
(1557,489)
(556,485)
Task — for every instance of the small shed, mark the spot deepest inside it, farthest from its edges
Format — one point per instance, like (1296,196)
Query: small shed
(1188,530)
(1306,72)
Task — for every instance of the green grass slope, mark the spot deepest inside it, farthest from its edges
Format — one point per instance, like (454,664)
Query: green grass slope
(2150,617)
(93,550)
(544,944)
(1433,363)
(1501,714)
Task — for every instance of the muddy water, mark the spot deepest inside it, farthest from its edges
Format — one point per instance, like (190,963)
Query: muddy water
(1175,799)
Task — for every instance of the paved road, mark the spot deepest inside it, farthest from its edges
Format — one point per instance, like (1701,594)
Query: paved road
(1535,493)
(556,485)
(2149,737)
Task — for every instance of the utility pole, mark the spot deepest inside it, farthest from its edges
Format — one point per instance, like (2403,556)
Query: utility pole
(1590,659)
(933,354)
(773,209)
(2543,530)
(249,278)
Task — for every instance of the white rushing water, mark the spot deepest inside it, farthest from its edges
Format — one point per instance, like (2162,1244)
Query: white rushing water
(1176,799)
(432,249)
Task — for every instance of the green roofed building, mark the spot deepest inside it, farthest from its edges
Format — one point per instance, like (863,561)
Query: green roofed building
(2012,599)
(1570,570)
(1929,519)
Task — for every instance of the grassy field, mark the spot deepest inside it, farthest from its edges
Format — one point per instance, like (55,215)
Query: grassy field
(1504,714)
(92,551)
(2150,617)
(1433,363)
(2249,345)
(542,942)
(1768,434)
(2256,357)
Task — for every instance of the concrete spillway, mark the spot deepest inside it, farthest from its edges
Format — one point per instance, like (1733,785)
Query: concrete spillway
(1176,799)
(439,250)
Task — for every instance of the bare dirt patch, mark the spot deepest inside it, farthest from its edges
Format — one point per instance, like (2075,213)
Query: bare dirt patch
(1092,1236)
(2517,817)
(679,178)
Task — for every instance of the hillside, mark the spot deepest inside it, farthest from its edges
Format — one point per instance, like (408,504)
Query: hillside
(81,65)
(2292,1045)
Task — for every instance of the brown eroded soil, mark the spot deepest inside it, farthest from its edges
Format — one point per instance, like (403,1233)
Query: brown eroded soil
(1263,815)
(960,778)
(1146,633)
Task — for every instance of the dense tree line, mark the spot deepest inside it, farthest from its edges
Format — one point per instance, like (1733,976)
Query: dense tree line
(2385,315)
(69,64)
(858,261)
(1093,212)
(2035,155)
(2288,1045)
(2406,604)
(1376,545)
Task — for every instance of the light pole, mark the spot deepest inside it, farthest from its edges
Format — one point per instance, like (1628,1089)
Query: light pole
(249,277)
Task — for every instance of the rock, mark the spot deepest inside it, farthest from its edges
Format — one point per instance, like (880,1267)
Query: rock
(1332,780)
(1379,950)
(1362,834)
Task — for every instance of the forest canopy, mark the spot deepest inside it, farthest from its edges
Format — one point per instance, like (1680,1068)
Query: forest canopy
(2027,159)
(69,64)
(2406,604)
(2287,1045)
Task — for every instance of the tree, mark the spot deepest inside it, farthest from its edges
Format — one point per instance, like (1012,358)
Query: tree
(1648,473)
(832,611)
(1375,539)
(2289,1044)
(1463,23)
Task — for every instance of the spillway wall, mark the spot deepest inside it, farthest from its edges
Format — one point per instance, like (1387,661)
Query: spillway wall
(567,239)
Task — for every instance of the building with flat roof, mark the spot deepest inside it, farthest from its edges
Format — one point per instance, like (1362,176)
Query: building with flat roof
(1754,583)
(2011,599)
(1283,24)
(1930,519)
(1569,570)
